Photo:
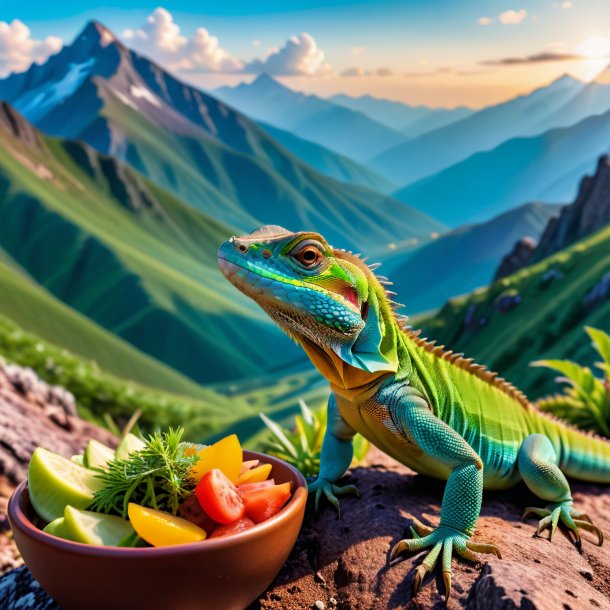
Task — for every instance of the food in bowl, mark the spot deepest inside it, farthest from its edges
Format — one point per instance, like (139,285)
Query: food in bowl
(155,492)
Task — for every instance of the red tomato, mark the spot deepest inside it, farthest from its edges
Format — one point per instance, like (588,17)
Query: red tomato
(246,487)
(219,498)
(262,503)
(233,528)
(248,465)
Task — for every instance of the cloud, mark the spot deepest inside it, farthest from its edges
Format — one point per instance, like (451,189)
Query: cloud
(256,42)
(512,17)
(160,38)
(300,56)
(484,20)
(358,50)
(565,6)
(18,49)
(538,58)
(360,72)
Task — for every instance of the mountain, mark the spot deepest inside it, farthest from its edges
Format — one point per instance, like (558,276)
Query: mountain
(194,146)
(125,254)
(340,129)
(592,98)
(413,121)
(484,130)
(463,259)
(329,163)
(589,212)
(541,168)
(536,313)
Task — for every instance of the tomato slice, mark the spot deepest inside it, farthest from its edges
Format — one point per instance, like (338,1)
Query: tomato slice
(261,504)
(247,465)
(191,510)
(246,487)
(240,525)
(254,475)
(219,498)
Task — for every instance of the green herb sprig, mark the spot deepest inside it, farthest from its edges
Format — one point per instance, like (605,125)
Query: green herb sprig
(156,476)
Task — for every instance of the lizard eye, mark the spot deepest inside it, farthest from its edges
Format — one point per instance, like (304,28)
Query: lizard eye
(309,256)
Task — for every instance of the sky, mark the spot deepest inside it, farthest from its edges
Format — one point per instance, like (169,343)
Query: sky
(433,52)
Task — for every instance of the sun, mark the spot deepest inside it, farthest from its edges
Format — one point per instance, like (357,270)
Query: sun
(594,47)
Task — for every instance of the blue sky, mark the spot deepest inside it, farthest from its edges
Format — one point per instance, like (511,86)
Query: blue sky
(440,52)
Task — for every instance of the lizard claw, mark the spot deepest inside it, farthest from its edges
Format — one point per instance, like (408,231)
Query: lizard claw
(563,512)
(324,487)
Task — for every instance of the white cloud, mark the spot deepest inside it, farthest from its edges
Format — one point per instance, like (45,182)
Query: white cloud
(358,50)
(359,72)
(256,42)
(160,38)
(18,49)
(484,21)
(300,56)
(565,6)
(512,17)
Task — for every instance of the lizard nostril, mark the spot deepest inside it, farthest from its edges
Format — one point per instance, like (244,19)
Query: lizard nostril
(241,247)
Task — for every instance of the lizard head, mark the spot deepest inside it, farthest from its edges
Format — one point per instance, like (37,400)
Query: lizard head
(315,293)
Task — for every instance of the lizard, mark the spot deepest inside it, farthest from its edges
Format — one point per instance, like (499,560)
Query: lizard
(435,411)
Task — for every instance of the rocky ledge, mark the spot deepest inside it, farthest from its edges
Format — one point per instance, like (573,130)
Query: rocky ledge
(342,564)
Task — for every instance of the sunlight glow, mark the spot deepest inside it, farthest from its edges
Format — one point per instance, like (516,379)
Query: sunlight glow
(594,47)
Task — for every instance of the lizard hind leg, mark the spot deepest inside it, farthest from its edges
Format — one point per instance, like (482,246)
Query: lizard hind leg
(538,467)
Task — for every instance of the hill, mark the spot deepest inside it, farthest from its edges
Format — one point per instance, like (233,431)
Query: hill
(194,146)
(413,121)
(536,313)
(133,258)
(463,259)
(522,116)
(343,130)
(544,168)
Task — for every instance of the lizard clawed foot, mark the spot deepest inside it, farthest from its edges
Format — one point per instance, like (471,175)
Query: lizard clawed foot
(443,540)
(564,512)
(324,487)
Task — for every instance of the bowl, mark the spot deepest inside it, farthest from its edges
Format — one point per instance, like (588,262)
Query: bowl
(219,574)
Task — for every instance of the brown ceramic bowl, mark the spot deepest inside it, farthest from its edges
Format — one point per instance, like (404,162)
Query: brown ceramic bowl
(218,574)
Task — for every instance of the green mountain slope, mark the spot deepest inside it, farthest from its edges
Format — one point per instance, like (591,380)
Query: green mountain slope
(461,260)
(133,258)
(556,299)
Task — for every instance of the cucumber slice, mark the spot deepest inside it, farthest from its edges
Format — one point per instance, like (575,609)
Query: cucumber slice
(54,482)
(58,528)
(96,528)
(97,455)
(78,459)
(129,444)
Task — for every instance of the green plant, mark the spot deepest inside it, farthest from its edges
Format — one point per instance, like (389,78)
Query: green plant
(585,400)
(302,445)
(157,476)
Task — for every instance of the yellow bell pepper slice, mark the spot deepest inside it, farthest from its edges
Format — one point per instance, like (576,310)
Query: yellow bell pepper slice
(255,475)
(162,529)
(226,455)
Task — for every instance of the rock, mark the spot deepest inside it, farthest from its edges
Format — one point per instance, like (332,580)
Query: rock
(34,413)
(589,212)
(507,301)
(518,258)
(343,563)
(598,293)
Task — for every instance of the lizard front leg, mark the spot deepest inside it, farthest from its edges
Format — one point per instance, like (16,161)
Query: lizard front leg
(463,493)
(335,459)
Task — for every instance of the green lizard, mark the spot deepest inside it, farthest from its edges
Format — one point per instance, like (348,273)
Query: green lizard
(435,411)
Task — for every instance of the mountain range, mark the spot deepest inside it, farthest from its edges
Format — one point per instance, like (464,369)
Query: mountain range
(545,168)
(413,121)
(343,130)
(214,158)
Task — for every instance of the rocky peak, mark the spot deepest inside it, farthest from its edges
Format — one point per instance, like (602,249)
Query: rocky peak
(589,212)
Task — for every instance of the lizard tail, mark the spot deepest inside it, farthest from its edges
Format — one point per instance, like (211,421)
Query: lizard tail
(582,455)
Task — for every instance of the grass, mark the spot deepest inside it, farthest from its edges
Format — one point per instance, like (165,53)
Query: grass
(100,394)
